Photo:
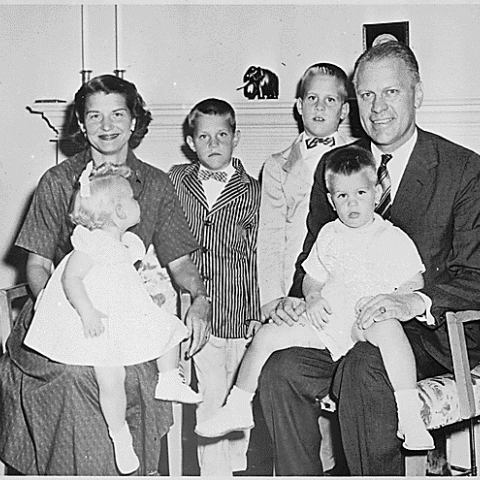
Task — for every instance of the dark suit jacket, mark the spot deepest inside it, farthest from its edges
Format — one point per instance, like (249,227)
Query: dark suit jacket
(438,205)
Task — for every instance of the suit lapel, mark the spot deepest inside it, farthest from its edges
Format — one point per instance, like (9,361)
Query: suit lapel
(417,184)
(235,187)
(192,183)
(299,179)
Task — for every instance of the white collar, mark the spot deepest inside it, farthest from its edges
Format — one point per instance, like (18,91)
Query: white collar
(398,163)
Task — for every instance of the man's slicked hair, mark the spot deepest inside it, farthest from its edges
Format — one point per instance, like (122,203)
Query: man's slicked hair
(389,50)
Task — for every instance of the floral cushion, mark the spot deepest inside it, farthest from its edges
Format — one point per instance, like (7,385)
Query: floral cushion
(157,281)
(440,399)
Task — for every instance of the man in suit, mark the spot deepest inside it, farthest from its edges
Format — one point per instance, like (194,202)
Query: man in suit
(434,189)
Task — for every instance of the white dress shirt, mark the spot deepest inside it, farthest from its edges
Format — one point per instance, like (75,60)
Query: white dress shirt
(213,188)
(396,167)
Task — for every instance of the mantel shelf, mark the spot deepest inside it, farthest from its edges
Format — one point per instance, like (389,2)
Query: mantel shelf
(268,126)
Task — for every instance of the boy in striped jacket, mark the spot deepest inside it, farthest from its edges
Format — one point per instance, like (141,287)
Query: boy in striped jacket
(221,203)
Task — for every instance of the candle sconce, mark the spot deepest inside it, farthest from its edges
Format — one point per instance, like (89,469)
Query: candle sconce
(86,74)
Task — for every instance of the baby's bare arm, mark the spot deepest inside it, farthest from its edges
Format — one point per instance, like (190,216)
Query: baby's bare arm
(317,308)
(77,267)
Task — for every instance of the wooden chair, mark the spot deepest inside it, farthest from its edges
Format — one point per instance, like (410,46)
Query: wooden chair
(7,318)
(9,295)
(175,435)
(7,313)
(451,398)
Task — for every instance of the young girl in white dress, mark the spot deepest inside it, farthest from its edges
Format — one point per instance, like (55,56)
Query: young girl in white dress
(95,310)
(356,256)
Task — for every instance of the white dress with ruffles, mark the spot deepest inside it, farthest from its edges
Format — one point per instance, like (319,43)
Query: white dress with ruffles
(136,328)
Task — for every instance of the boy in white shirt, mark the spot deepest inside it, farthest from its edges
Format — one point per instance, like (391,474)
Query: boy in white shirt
(287,179)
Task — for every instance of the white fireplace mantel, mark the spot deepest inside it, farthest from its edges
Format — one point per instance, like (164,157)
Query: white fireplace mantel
(269,126)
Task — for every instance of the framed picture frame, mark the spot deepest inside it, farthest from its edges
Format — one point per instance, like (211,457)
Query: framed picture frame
(374,33)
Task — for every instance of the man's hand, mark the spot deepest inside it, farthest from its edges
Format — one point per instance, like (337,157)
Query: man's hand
(288,310)
(253,326)
(269,308)
(386,307)
(199,324)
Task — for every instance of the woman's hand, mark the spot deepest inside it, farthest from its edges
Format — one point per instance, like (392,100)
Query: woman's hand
(199,323)
(317,310)
(92,323)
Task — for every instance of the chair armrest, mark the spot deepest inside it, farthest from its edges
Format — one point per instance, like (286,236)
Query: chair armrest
(7,296)
(461,367)
(184,304)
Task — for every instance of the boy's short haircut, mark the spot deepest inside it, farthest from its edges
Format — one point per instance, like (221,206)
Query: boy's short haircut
(210,106)
(95,211)
(324,69)
(348,160)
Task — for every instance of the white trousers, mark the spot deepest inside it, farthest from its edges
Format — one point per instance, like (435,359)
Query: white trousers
(216,366)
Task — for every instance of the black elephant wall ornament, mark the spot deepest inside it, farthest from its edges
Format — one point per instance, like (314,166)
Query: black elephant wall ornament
(259,83)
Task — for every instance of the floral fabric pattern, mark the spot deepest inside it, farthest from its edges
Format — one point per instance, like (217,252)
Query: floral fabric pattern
(157,281)
(440,399)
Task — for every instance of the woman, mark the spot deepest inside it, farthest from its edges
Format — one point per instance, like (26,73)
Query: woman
(54,426)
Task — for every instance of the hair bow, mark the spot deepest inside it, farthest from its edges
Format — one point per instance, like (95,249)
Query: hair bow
(85,180)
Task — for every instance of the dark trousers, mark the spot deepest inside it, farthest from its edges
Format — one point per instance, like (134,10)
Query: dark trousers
(291,381)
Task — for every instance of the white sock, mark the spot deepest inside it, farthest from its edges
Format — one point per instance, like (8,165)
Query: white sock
(237,396)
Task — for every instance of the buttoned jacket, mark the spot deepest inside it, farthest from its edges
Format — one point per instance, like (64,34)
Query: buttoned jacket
(438,205)
(227,233)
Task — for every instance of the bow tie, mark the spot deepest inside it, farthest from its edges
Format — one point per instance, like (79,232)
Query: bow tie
(313,142)
(204,174)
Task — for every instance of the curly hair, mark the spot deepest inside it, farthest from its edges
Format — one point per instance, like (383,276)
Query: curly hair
(95,210)
(109,84)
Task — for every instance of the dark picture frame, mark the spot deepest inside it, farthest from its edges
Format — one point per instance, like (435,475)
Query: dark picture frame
(375,31)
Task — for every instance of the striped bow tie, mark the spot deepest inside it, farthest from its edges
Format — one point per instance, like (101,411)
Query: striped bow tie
(204,175)
(313,142)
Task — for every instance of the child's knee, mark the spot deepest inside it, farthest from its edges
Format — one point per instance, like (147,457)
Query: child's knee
(377,330)
(266,337)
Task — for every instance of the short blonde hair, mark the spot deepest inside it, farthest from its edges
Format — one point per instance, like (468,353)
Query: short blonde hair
(328,69)
(95,211)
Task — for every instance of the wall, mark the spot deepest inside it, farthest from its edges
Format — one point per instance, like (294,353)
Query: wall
(179,54)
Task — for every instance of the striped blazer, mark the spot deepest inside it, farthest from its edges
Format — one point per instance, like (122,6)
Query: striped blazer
(227,233)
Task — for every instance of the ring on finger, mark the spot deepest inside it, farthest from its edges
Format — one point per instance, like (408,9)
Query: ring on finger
(382,309)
